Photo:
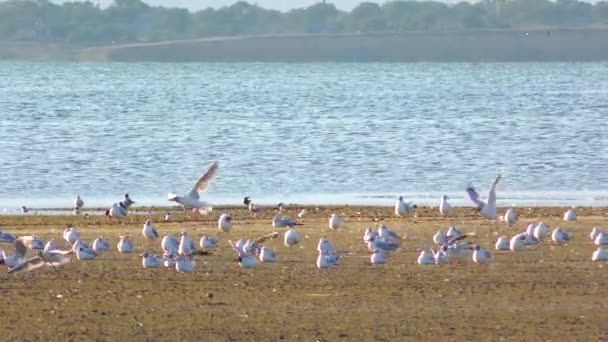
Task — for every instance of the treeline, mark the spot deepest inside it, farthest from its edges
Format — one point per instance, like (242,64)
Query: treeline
(134,21)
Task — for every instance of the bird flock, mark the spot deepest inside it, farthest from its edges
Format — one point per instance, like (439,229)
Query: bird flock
(179,253)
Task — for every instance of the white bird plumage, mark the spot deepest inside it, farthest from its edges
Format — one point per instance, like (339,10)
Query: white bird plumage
(334,222)
(444,207)
(487,209)
(224,223)
(403,208)
(192,198)
(149,231)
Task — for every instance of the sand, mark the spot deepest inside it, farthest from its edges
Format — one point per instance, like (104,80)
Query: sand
(548,292)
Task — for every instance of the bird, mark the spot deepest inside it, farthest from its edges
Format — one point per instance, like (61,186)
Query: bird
(559,236)
(386,233)
(17,259)
(280,221)
(327,260)
(600,254)
(594,233)
(440,238)
(444,207)
(302,213)
(125,245)
(184,264)
(208,242)
(127,201)
(502,244)
(100,245)
(169,244)
(247,200)
(167,217)
(118,210)
(32,242)
(510,217)
(488,210)
(376,242)
(148,231)
(186,247)
(6,237)
(334,222)
(378,257)
(402,208)
(325,247)
(481,255)
(570,215)
(441,256)
(71,235)
(253,208)
(517,242)
(84,253)
(426,258)
(192,198)
(540,231)
(454,233)
(224,223)
(24,210)
(78,202)
(369,234)
(601,239)
(291,238)
(461,251)
(267,254)
(149,261)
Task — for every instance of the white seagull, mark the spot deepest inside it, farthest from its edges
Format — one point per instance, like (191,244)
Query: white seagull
(517,242)
(444,207)
(267,255)
(224,223)
(426,258)
(481,255)
(280,221)
(488,209)
(600,254)
(334,222)
(125,245)
(186,246)
(184,264)
(6,237)
(541,231)
(100,245)
(559,236)
(402,208)
(149,231)
(169,244)
(595,232)
(510,217)
(378,257)
(440,238)
(71,235)
(570,215)
(149,261)
(118,210)
(192,199)
(502,244)
(208,242)
(292,237)
(601,239)
(78,203)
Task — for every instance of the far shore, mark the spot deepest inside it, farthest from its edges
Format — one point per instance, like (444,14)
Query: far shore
(532,45)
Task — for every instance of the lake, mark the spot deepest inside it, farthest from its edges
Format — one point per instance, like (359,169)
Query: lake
(327,133)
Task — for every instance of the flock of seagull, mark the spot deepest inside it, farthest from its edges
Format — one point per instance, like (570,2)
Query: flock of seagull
(179,253)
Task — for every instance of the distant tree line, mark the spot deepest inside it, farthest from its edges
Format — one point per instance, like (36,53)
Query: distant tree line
(134,21)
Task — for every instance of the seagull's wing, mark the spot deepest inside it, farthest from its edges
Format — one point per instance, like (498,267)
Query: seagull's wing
(492,193)
(28,265)
(203,182)
(20,249)
(474,197)
(266,237)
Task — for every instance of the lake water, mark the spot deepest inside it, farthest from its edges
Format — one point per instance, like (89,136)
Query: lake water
(306,133)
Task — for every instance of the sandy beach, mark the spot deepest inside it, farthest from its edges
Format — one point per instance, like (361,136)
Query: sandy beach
(547,292)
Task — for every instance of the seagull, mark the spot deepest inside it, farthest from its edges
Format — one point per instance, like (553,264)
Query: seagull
(78,203)
(118,210)
(302,213)
(444,207)
(402,208)
(502,244)
(529,238)
(441,256)
(225,223)
(125,245)
(245,259)
(292,237)
(541,231)
(208,242)
(32,242)
(440,238)
(601,239)
(247,200)
(600,254)
(252,208)
(454,233)
(325,247)
(169,244)
(6,237)
(481,255)
(386,233)
(517,242)
(83,253)
(149,232)
(369,234)
(127,202)
(327,260)
(54,257)
(267,255)
(334,222)
(186,247)
(169,260)
(510,217)
(71,235)
(184,264)
(570,215)
(559,236)
(488,209)
(149,261)
(167,217)
(378,257)
(24,209)
(460,251)
(280,221)
(426,258)
(100,245)
(376,242)
(16,260)
(192,199)
(595,232)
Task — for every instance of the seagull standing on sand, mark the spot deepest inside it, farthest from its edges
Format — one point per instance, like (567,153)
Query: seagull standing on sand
(125,245)
(440,238)
(510,217)
(292,237)
(402,208)
(600,254)
(570,215)
(334,222)
(149,261)
(517,242)
(444,207)
(502,244)
(541,231)
(481,255)
(601,239)
(208,242)
(426,258)
(184,264)
(267,255)
(149,231)
(441,255)
(559,236)
(224,223)
(71,235)
(127,201)
(192,199)
(169,244)
(118,210)
(185,245)
(100,245)
(595,232)
(280,221)
(378,257)
(488,209)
